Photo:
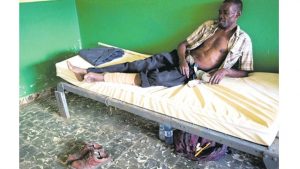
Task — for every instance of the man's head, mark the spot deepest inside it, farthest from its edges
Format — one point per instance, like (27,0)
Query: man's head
(229,12)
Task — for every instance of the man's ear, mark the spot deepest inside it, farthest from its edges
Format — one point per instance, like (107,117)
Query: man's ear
(238,14)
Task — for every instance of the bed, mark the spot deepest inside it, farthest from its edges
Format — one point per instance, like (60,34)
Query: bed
(239,112)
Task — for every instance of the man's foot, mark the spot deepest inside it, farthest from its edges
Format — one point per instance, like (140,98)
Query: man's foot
(94,77)
(79,72)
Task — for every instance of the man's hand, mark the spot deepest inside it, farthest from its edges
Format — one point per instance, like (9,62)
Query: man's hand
(217,76)
(184,68)
(181,51)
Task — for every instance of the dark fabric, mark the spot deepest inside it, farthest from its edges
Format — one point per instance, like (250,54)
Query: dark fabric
(158,70)
(100,55)
(164,77)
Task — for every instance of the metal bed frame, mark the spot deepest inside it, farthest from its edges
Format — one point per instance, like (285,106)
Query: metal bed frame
(269,154)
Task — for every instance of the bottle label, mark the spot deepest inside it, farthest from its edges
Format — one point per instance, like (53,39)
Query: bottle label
(169,133)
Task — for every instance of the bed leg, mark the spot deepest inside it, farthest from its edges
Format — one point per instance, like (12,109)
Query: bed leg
(61,101)
(271,162)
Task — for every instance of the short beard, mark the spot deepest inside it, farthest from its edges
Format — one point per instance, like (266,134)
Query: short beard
(222,26)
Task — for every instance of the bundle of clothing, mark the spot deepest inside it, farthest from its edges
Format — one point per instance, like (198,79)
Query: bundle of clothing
(198,148)
(100,55)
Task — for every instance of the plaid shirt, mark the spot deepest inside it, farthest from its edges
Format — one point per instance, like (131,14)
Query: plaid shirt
(239,45)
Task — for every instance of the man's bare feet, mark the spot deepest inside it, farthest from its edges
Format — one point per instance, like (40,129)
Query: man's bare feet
(79,72)
(94,77)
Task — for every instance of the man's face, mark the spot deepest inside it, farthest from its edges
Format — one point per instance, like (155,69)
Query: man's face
(228,15)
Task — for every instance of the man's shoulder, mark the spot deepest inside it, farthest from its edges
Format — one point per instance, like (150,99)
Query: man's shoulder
(209,22)
(243,34)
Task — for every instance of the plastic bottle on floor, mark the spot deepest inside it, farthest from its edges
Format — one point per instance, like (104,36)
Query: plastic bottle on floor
(168,134)
(161,132)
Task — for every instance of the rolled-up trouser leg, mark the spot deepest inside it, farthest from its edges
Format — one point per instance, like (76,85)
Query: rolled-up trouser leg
(124,78)
(154,62)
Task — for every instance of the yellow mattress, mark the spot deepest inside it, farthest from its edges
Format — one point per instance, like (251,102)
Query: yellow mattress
(246,108)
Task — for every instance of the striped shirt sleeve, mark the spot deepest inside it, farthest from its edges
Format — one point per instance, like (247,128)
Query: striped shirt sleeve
(246,60)
(198,33)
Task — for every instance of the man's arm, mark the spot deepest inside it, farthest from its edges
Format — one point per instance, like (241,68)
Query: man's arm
(218,75)
(242,67)
(183,66)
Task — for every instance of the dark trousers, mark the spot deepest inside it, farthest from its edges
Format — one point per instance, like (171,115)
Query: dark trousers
(158,70)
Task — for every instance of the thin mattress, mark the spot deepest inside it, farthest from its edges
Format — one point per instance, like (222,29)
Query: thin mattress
(246,108)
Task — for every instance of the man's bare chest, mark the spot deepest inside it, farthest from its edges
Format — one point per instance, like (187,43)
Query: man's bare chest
(218,41)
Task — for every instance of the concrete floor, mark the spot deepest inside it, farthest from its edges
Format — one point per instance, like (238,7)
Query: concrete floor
(46,139)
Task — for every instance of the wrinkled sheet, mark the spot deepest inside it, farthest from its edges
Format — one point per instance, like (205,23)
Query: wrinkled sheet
(246,108)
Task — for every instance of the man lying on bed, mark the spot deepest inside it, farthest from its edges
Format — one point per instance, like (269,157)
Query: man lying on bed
(218,47)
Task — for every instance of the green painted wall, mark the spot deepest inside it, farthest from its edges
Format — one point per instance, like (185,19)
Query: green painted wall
(152,26)
(261,21)
(49,32)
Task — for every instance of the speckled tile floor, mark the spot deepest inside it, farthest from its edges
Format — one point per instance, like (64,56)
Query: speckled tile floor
(46,139)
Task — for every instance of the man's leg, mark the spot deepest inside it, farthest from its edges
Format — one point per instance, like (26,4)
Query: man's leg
(154,62)
(123,78)
(168,78)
